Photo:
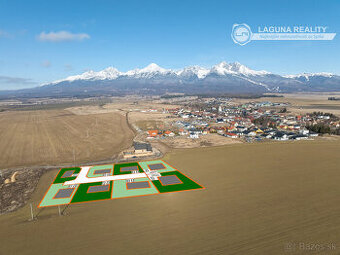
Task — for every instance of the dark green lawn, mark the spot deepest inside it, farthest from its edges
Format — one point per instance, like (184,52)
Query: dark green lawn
(187,184)
(82,195)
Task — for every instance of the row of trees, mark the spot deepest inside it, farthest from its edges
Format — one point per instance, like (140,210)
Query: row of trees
(323,128)
(331,115)
(264,121)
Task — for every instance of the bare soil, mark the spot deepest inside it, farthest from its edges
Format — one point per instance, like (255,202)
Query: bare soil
(259,198)
(204,141)
(52,137)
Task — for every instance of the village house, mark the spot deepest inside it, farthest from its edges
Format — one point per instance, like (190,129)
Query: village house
(281,136)
(193,136)
(169,133)
(142,147)
(232,135)
(183,132)
(299,137)
(152,134)
(139,150)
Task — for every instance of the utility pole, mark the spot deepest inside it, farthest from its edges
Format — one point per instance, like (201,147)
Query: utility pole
(32,216)
(59,210)
(63,212)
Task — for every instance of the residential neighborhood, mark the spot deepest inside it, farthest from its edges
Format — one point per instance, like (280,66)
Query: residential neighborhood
(249,122)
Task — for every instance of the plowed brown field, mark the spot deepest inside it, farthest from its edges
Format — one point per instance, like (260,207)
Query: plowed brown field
(261,198)
(58,136)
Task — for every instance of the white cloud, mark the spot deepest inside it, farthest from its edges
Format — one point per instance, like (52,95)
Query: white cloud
(4,34)
(61,36)
(46,64)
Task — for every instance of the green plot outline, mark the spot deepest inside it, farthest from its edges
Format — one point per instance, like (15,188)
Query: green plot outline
(58,178)
(120,190)
(90,173)
(144,165)
(117,167)
(187,183)
(49,199)
(82,195)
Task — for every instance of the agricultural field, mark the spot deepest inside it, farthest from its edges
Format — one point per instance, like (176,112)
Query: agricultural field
(146,125)
(302,103)
(52,137)
(204,141)
(260,198)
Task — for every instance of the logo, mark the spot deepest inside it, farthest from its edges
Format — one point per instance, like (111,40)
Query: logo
(241,34)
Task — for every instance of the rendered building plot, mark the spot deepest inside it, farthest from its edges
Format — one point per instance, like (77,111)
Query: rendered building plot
(106,182)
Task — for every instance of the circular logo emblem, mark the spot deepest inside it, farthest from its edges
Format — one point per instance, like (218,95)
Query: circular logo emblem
(241,34)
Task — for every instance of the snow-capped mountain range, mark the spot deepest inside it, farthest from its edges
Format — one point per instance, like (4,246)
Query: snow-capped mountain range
(153,69)
(221,78)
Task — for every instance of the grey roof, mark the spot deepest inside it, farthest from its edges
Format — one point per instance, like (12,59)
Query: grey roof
(142,146)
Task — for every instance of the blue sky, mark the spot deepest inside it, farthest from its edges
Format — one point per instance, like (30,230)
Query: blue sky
(173,34)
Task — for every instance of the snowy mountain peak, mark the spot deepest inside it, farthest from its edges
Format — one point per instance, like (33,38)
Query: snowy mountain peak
(198,71)
(153,68)
(237,67)
(224,68)
(108,73)
(307,75)
(148,71)
(111,69)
